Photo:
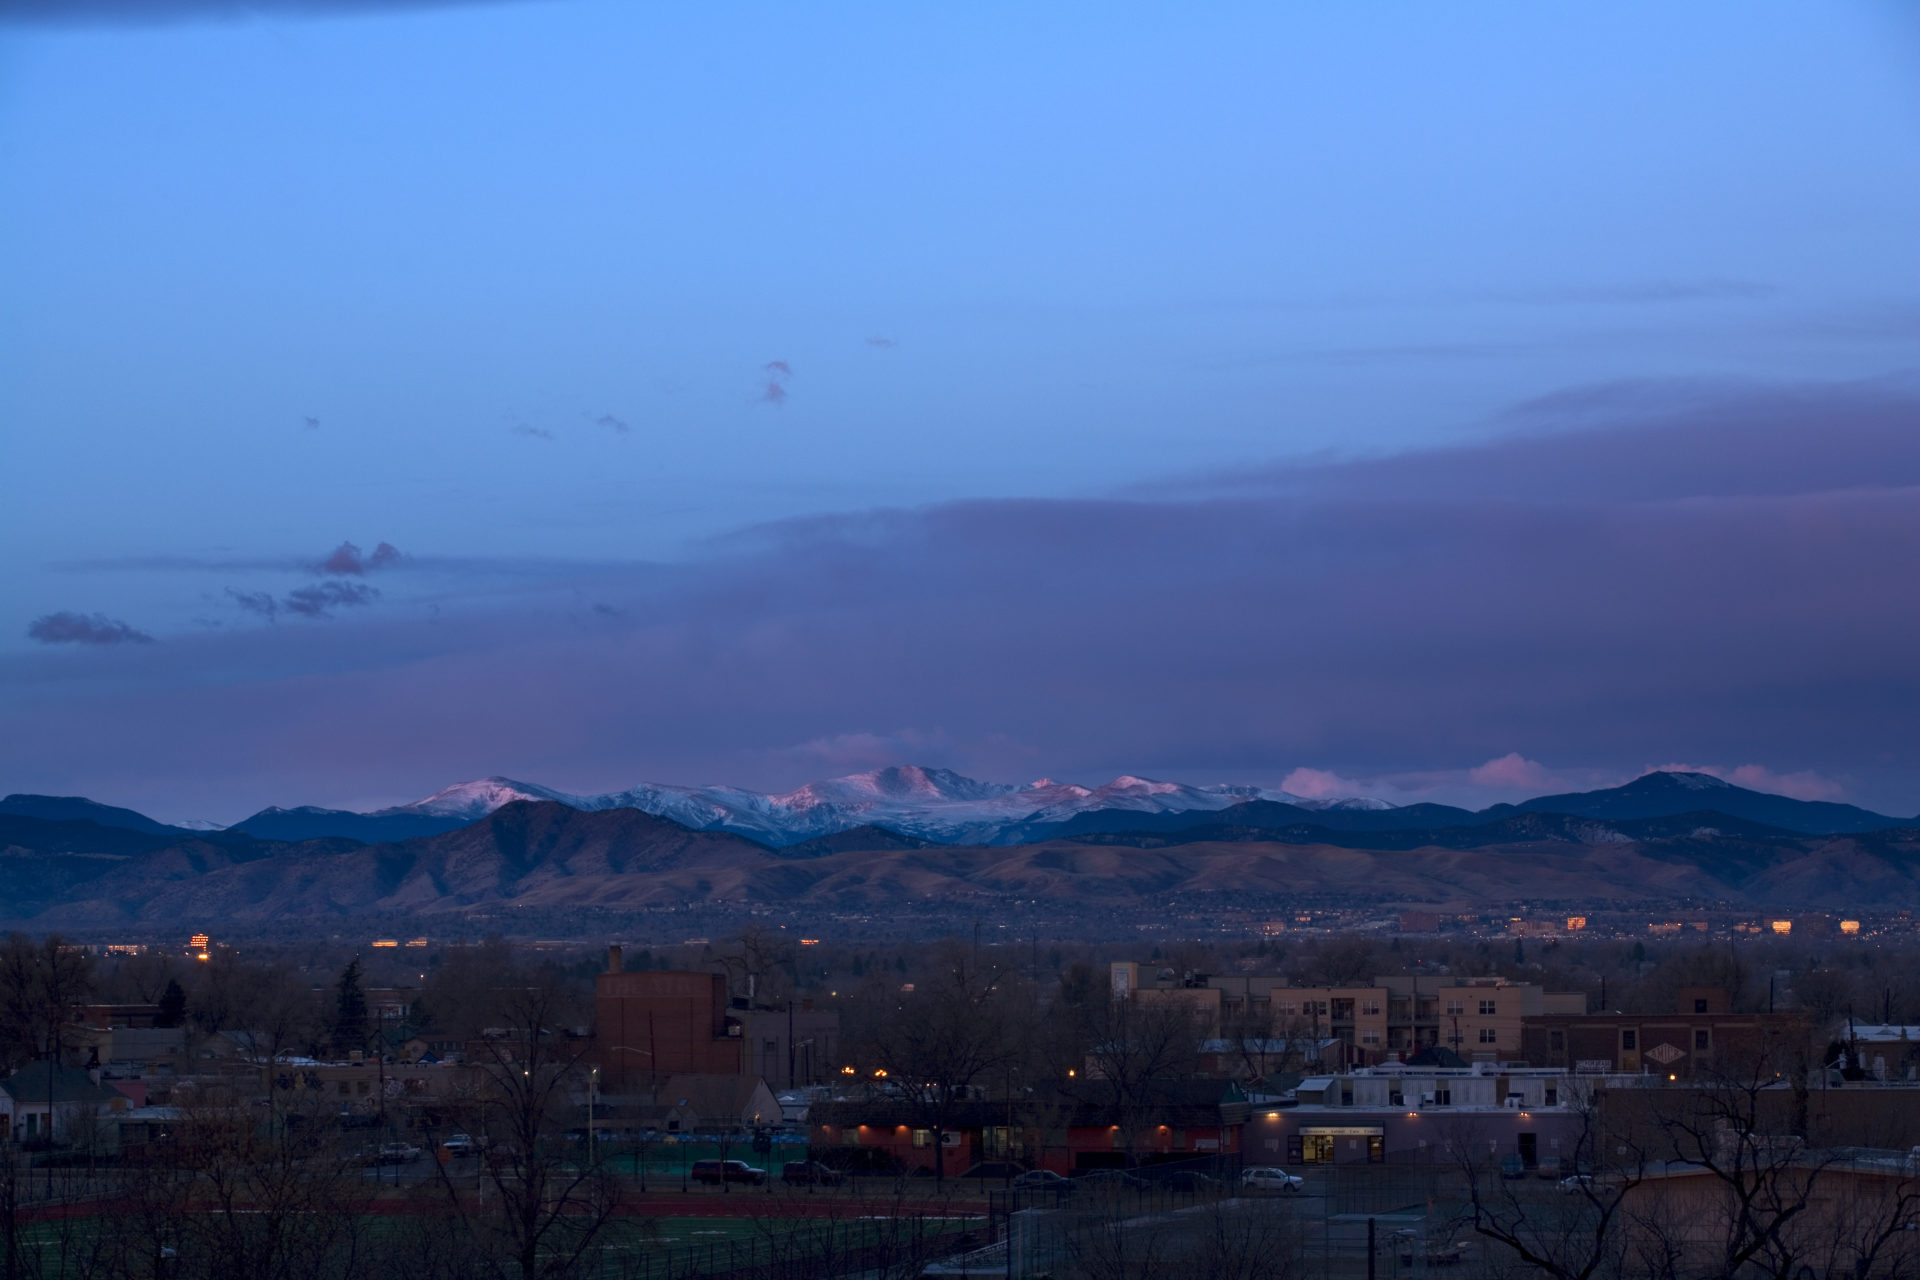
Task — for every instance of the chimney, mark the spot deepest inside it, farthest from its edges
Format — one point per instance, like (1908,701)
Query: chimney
(613,958)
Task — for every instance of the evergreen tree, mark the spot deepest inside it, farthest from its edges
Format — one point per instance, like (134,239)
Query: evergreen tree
(350,1012)
(173,1006)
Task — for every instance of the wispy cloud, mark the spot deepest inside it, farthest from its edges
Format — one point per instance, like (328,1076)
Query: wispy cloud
(313,424)
(529,430)
(774,388)
(882,343)
(319,600)
(84,628)
(256,602)
(611,423)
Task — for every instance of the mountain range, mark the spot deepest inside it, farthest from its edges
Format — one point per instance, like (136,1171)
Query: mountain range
(948,808)
(1664,836)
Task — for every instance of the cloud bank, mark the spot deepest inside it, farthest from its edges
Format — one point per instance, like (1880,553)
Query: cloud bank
(1682,575)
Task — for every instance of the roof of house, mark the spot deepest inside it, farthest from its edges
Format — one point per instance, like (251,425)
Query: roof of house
(41,1082)
(713,1095)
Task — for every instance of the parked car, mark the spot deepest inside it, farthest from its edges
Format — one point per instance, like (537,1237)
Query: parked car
(396,1153)
(1042,1180)
(1585,1184)
(1512,1166)
(810,1173)
(1110,1180)
(993,1170)
(715,1172)
(1267,1178)
(460,1144)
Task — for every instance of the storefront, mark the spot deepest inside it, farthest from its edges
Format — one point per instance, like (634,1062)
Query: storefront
(1338,1144)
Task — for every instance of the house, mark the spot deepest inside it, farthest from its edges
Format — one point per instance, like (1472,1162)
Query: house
(41,1098)
(717,1104)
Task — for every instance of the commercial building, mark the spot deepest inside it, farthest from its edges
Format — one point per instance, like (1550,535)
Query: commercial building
(1701,1036)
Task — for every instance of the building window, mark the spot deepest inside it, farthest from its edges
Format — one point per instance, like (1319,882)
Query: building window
(1487,1035)
(1455,1008)
(1442,1095)
(1370,1008)
(1556,1042)
(1284,1008)
(1699,1006)
(1702,1040)
(1369,1035)
(1487,1008)
(923,1137)
(1628,1040)
(1553,1100)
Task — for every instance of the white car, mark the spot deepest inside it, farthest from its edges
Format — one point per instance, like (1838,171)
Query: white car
(1585,1184)
(1270,1179)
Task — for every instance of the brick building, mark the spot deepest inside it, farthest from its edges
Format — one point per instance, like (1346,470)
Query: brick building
(1701,1035)
(657,1023)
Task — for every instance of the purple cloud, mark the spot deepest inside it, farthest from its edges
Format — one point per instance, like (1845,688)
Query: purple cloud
(1708,576)
(347,559)
(775,389)
(84,628)
(881,342)
(319,600)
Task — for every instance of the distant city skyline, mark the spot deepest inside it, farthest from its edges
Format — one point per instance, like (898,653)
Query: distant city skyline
(1409,403)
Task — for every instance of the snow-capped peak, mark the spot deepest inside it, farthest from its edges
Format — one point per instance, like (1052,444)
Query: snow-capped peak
(477,799)
(936,804)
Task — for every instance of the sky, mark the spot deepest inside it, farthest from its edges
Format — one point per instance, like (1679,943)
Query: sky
(1433,403)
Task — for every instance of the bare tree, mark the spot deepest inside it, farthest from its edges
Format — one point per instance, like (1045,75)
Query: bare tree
(1572,1230)
(1135,1049)
(548,1206)
(228,1193)
(40,983)
(936,1045)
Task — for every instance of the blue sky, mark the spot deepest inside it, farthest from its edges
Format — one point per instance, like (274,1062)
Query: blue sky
(505,285)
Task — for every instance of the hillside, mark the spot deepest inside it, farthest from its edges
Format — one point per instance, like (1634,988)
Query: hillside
(545,856)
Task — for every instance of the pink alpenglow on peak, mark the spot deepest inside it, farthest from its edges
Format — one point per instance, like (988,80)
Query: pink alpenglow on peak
(933,803)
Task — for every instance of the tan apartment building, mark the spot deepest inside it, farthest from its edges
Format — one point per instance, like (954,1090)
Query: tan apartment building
(1393,1017)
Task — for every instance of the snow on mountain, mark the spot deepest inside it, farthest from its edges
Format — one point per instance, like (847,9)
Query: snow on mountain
(935,804)
(475,800)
